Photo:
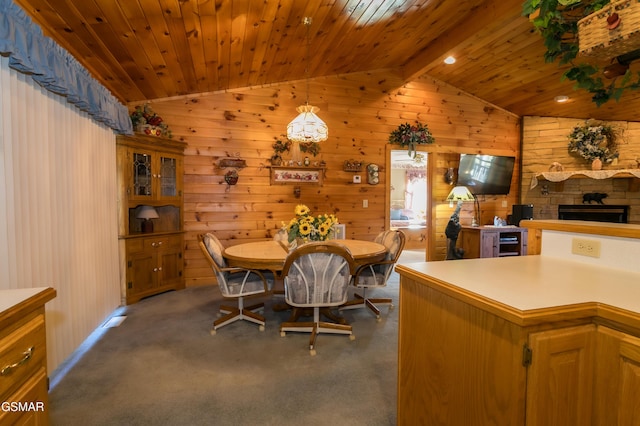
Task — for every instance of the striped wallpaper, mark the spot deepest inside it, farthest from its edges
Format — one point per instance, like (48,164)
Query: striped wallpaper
(58,211)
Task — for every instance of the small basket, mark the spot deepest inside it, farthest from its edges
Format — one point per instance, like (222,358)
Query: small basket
(598,41)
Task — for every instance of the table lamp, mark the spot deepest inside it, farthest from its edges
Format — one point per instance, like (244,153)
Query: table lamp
(147,213)
(459,194)
(462,194)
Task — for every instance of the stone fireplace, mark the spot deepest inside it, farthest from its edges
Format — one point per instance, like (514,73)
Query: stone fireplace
(597,213)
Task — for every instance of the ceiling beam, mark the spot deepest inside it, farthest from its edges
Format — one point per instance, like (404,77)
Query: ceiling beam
(502,12)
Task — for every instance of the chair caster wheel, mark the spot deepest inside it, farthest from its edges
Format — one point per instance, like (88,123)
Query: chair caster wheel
(212,332)
(378,319)
(261,328)
(282,334)
(312,352)
(352,337)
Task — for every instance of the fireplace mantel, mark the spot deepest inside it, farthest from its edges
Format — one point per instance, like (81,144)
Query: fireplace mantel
(559,177)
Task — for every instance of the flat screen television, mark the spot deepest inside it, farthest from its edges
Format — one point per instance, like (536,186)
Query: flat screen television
(486,174)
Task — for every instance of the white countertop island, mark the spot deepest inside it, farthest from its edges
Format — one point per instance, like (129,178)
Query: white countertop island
(529,340)
(521,289)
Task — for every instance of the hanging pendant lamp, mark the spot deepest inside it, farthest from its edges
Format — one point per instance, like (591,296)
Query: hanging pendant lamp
(307,126)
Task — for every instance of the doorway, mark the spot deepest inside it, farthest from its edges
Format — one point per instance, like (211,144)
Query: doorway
(408,195)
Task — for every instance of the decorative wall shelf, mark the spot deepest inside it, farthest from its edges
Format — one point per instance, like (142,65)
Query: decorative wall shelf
(297,175)
(560,177)
(352,166)
(238,163)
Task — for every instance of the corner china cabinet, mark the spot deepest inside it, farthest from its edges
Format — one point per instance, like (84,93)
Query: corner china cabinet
(150,171)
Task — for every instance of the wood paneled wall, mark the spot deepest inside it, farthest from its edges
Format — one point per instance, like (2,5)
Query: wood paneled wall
(545,141)
(360,111)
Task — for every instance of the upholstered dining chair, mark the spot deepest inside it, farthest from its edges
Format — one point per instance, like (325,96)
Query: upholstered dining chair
(376,275)
(317,275)
(234,283)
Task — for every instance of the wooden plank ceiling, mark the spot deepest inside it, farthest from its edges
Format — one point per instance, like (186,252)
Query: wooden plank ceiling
(150,49)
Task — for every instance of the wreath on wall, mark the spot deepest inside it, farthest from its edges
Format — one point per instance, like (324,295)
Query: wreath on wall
(593,140)
(557,23)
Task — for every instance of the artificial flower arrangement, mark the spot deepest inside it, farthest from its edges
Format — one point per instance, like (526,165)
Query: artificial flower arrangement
(312,148)
(306,227)
(146,121)
(410,136)
(279,147)
(593,140)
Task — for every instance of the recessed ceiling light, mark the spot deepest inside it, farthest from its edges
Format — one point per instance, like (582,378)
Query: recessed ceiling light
(561,99)
(449,60)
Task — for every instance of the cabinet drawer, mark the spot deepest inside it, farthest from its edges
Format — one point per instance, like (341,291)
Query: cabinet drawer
(175,241)
(135,245)
(156,243)
(138,245)
(28,405)
(22,353)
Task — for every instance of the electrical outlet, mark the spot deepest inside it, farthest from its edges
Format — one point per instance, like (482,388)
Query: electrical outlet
(585,247)
(365,203)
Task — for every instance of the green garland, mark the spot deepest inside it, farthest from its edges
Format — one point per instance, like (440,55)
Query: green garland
(557,22)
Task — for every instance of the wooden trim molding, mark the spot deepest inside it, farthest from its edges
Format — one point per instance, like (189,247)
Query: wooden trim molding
(623,230)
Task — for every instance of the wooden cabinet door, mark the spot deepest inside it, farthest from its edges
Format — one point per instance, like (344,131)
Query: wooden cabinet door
(560,377)
(489,244)
(469,241)
(154,175)
(168,177)
(170,259)
(34,390)
(141,174)
(617,378)
(142,274)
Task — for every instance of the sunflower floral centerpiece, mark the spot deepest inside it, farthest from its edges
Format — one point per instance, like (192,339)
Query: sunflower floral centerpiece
(305,227)
(410,136)
(595,142)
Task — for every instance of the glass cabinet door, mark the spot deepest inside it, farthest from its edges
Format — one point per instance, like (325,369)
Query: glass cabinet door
(168,175)
(142,175)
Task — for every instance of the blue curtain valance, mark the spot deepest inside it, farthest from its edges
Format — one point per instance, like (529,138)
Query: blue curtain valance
(31,52)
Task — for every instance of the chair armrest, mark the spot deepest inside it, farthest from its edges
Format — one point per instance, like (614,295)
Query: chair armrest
(238,270)
(368,265)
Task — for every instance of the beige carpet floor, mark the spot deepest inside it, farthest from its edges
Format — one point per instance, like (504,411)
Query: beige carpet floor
(162,367)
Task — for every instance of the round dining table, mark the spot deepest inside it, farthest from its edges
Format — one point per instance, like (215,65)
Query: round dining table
(270,255)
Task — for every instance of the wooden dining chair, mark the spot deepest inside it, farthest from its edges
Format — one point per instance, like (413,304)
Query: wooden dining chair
(317,275)
(376,275)
(234,283)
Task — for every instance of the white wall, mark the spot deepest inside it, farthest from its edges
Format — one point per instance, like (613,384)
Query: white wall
(615,252)
(58,211)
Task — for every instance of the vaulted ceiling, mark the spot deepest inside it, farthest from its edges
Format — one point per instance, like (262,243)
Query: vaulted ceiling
(150,49)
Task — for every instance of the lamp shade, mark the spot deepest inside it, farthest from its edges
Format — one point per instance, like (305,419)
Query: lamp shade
(460,193)
(147,212)
(307,126)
